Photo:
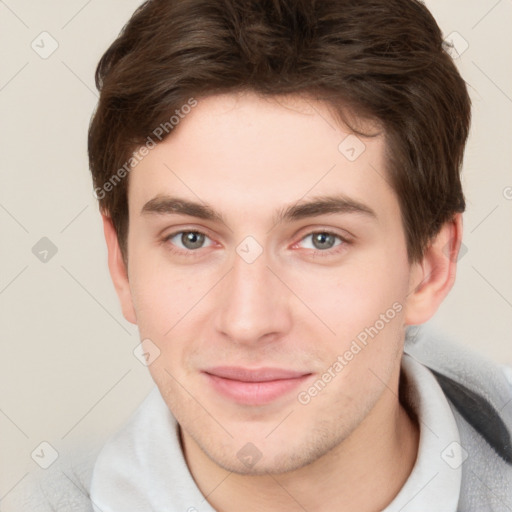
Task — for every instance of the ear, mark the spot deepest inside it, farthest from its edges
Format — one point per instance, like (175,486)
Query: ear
(118,270)
(433,277)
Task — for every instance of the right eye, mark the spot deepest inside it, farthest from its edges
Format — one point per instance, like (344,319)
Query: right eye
(187,241)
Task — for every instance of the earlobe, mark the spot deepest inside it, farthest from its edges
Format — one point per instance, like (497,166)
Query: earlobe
(118,270)
(433,277)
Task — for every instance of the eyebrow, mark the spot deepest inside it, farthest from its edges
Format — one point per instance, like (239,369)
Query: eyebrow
(167,205)
(321,205)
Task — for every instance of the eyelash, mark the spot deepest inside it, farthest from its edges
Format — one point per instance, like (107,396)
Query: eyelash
(315,252)
(328,252)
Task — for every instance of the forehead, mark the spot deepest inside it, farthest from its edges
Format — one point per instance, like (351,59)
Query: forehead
(243,151)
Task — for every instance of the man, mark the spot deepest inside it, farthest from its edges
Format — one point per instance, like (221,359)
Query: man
(280,191)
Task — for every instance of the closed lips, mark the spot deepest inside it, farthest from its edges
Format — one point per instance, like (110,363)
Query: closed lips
(254,375)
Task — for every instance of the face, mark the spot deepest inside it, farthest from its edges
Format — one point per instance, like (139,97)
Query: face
(268,265)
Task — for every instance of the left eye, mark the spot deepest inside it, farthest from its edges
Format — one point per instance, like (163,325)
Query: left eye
(322,240)
(189,240)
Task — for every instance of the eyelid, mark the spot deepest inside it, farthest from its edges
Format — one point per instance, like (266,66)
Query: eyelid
(170,231)
(343,234)
(345,240)
(166,239)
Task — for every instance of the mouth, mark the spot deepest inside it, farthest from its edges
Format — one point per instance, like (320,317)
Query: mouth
(258,386)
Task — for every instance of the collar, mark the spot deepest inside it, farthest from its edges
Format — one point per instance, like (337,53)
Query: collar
(435,481)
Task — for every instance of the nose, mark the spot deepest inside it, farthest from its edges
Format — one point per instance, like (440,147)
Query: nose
(253,303)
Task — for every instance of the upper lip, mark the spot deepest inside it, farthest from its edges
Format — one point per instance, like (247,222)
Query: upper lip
(254,375)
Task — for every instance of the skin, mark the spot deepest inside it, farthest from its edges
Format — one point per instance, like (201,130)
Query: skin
(297,306)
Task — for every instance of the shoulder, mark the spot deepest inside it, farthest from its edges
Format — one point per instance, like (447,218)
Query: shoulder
(479,389)
(63,487)
(479,392)
(454,359)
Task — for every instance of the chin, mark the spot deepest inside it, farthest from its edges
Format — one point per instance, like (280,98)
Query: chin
(262,457)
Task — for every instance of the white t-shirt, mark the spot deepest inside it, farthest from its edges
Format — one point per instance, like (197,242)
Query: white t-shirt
(143,467)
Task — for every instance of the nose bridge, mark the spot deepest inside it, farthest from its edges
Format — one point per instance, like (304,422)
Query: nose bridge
(253,302)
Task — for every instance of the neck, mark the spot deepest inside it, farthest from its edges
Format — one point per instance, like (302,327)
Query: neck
(379,455)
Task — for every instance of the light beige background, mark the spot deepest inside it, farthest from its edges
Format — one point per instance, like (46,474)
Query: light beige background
(67,371)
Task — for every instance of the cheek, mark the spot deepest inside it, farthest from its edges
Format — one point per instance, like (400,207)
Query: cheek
(352,297)
(171,304)
(160,297)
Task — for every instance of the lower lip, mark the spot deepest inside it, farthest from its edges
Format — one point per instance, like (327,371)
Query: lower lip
(254,393)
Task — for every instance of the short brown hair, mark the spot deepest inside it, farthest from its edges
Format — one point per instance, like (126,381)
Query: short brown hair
(384,59)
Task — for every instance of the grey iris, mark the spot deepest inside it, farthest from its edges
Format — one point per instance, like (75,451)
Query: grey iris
(192,240)
(323,240)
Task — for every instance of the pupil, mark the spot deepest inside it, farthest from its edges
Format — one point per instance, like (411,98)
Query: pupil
(192,240)
(322,238)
